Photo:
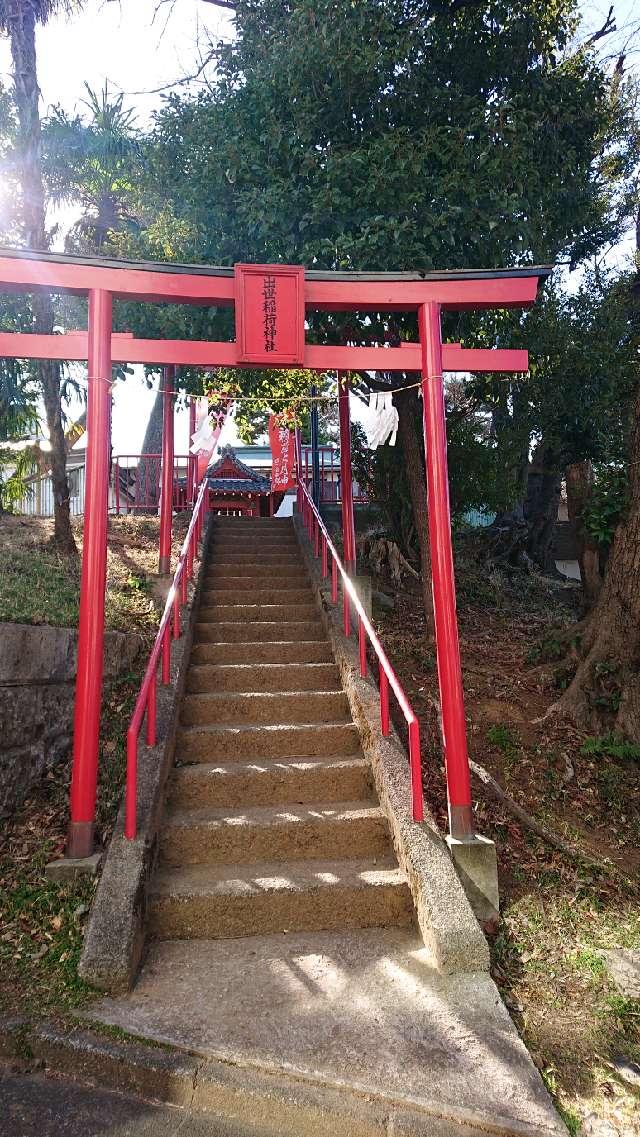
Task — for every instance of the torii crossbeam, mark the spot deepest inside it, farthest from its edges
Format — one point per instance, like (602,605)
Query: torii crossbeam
(270,304)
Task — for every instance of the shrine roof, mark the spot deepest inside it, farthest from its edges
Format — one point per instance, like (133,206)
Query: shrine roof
(230,475)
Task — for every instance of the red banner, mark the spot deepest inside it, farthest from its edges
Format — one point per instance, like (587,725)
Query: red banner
(283,454)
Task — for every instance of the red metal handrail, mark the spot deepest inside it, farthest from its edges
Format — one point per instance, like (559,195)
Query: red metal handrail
(322,546)
(169,625)
(130,497)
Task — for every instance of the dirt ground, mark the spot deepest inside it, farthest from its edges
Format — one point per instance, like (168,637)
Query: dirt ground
(41,923)
(557,912)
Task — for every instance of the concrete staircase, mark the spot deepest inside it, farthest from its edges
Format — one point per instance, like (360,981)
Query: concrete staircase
(272,823)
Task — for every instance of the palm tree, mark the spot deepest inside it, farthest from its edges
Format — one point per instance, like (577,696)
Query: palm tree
(96,162)
(18,19)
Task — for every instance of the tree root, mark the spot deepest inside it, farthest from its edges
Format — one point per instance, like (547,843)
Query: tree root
(539,830)
(383,552)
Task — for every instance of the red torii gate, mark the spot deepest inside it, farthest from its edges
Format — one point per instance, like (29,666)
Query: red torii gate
(270,303)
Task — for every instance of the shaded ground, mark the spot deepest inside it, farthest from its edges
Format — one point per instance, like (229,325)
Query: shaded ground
(41,923)
(557,913)
(53,1107)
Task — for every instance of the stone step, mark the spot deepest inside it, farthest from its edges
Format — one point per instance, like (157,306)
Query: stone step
(235,552)
(244,743)
(258,631)
(250,541)
(265,613)
(244,677)
(235,592)
(278,652)
(228,900)
(272,572)
(298,780)
(265,707)
(252,524)
(274,833)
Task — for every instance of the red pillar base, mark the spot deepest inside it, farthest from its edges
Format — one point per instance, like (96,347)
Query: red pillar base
(79,840)
(461,822)
(164,566)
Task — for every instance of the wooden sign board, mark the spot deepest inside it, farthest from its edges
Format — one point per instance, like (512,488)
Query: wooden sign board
(269,303)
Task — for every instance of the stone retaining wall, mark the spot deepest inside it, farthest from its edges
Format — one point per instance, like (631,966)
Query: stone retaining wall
(37,680)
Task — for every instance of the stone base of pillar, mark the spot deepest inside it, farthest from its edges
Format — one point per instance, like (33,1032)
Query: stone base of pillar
(477,867)
(69,868)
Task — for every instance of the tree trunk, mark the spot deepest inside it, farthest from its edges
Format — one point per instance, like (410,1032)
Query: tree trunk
(541,506)
(579,481)
(409,412)
(605,692)
(148,471)
(20,20)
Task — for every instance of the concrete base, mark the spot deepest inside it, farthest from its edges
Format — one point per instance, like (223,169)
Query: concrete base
(362,1013)
(70,868)
(477,866)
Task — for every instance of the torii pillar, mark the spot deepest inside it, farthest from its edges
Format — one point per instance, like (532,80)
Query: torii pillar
(88,697)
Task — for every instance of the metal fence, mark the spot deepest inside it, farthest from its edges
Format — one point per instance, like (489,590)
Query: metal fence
(38,500)
(330,482)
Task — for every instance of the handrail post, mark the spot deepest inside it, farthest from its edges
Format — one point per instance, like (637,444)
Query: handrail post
(152,709)
(384,701)
(176,615)
(166,493)
(88,694)
(454,729)
(346,481)
(166,655)
(415,762)
(191,460)
(131,787)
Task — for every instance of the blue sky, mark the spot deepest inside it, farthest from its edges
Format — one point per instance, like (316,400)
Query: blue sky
(120,40)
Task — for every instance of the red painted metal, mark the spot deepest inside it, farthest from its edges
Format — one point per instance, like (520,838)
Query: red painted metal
(146,701)
(128,469)
(444,596)
(192,464)
(426,294)
(388,677)
(348,525)
(88,693)
(166,493)
(270,315)
(200,353)
(384,702)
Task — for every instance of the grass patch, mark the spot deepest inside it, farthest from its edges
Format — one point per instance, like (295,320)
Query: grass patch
(39,587)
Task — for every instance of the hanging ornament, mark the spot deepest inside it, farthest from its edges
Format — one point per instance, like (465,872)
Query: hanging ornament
(383,420)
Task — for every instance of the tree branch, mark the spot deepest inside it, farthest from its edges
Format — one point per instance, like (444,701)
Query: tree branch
(606,29)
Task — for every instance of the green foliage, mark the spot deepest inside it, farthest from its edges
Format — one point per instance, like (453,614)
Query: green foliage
(341,135)
(505,738)
(609,746)
(40,588)
(583,370)
(606,504)
(97,162)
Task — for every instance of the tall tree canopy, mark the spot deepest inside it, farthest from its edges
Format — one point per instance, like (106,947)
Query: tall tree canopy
(395,135)
(18,19)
